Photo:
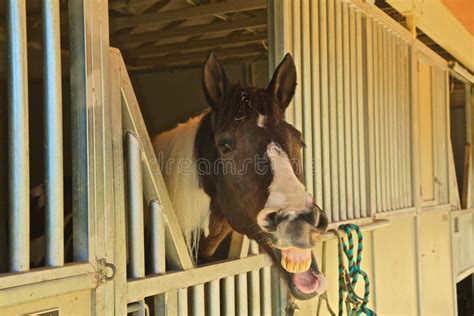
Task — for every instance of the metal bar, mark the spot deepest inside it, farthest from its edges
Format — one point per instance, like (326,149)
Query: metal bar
(254,285)
(54,135)
(376,80)
(296,25)
(18,157)
(362,125)
(331,45)
(306,62)
(354,112)
(254,295)
(198,300)
(378,223)
(368,52)
(316,105)
(384,123)
(135,207)
(79,130)
(342,195)
(228,292)
(158,255)
(347,109)
(391,119)
(213,306)
(157,249)
(183,302)
(266,291)
(326,158)
(242,305)
(279,293)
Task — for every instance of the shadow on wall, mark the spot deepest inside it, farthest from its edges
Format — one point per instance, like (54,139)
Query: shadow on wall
(169,98)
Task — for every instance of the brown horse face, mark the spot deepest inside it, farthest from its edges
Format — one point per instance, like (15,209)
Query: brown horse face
(256,177)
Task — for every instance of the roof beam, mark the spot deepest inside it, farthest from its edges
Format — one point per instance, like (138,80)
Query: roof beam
(199,56)
(197,44)
(187,13)
(192,30)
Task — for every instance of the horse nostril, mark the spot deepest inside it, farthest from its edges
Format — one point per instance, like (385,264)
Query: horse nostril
(323,221)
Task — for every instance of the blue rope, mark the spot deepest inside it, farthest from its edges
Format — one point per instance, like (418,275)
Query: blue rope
(348,277)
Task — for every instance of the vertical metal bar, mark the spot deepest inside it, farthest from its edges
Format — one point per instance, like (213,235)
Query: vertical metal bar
(135,207)
(316,104)
(254,284)
(54,135)
(213,306)
(383,117)
(158,264)
(333,111)
(407,125)
(18,151)
(361,66)
(79,128)
(279,293)
(229,296)
(347,109)
(340,113)
(354,113)
(288,38)
(242,305)
(368,50)
(376,105)
(296,24)
(306,61)
(266,291)
(157,249)
(323,53)
(198,300)
(391,119)
(183,302)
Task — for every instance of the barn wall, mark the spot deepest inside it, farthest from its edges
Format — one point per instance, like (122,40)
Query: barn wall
(391,161)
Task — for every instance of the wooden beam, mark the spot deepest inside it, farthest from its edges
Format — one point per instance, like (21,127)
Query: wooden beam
(192,30)
(196,44)
(187,13)
(196,64)
(200,56)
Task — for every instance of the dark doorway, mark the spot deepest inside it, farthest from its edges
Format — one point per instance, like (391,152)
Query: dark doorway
(465,291)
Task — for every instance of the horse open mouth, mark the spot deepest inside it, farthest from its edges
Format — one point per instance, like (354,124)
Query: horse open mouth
(301,272)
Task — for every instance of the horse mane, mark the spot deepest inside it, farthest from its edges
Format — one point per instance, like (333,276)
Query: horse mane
(175,153)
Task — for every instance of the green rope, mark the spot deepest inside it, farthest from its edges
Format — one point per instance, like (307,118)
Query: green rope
(348,277)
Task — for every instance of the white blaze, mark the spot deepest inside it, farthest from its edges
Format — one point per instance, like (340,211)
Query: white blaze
(286,191)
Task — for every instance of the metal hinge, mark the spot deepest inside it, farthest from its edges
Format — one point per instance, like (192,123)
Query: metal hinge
(103,268)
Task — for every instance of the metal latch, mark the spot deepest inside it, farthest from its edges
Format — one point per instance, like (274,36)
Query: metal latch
(102,274)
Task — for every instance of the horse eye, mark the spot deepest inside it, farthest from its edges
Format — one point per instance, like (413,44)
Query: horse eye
(303,144)
(225,146)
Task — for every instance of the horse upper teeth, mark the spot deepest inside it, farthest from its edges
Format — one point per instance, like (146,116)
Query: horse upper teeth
(295,266)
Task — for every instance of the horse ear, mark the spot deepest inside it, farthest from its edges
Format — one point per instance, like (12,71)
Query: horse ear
(283,83)
(214,81)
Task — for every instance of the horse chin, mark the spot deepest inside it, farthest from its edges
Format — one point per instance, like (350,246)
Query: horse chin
(303,285)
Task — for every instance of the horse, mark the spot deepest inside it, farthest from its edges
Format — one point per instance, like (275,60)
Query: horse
(238,167)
